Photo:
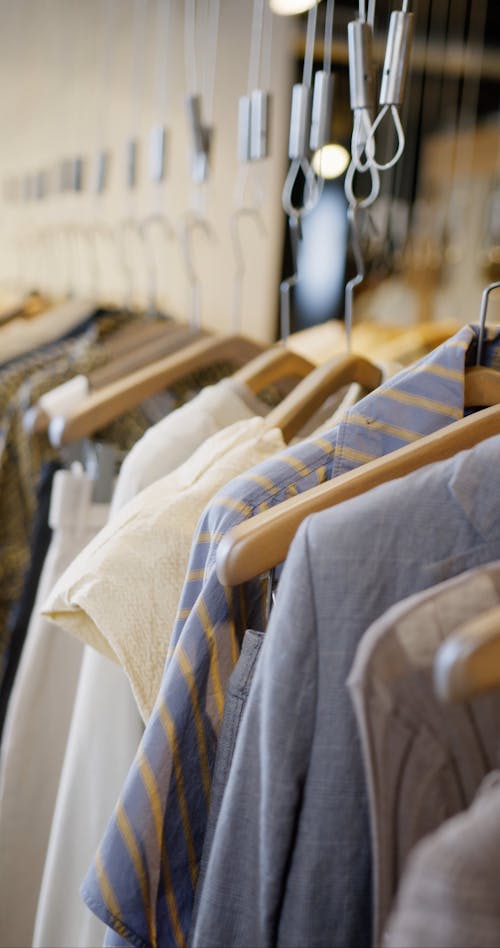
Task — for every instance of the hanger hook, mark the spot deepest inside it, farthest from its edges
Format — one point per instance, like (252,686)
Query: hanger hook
(241,213)
(482,318)
(295,227)
(130,225)
(169,234)
(312,189)
(360,272)
(105,232)
(82,236)
(370,141)
(192,222)
(349,184)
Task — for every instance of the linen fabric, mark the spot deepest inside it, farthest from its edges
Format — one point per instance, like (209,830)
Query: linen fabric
(38,720)
(423,760)
(130,577)
(103,737)
(290,862)
(449,894)
(174,439)
(181,736)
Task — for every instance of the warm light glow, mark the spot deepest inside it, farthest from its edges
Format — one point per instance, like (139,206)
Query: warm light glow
(330,161)
(288,7)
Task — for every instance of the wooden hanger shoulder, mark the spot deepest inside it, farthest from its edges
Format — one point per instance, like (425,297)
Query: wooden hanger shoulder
(262,542)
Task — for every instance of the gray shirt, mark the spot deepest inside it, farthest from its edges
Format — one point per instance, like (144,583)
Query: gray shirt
(424,760)
(291,859)
(450,891)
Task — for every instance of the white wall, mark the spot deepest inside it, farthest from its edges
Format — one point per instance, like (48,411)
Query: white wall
(60,97)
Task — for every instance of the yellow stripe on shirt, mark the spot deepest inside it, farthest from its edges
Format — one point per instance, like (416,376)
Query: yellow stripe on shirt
(187,673)
(232,504)
(211,638)
(405,434)
(171,735)
(264,482)
(419,401)
(152,791)
(108,893)
(130,841)
(456,375)
(179,936)
(296,464)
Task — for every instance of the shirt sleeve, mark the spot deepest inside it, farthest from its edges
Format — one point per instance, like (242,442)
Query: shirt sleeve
(254,836)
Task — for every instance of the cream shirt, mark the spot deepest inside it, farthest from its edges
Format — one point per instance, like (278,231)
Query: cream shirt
(121,593)
(174,439)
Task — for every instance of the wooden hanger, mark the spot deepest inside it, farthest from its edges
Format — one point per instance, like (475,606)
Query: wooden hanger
(424,336)
(276,363)
(136,332)
(468,663)
(142,354)
(293,412)
(482,387)
(262,542)
(36,420)
(108,404)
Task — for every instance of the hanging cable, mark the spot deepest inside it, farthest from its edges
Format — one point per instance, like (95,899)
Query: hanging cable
(322,102)
(253,145)
(201,31)
(393,86)
(361,88)
(300,132)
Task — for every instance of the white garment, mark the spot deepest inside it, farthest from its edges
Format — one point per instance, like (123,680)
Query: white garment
(38,719)
(104,736)
(106,726)
(121,594)
(175,438)
(22,335)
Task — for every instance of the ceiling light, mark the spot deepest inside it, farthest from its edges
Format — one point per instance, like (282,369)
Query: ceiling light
(330,161)
(288,7)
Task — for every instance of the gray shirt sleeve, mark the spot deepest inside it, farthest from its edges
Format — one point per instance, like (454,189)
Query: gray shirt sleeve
(242,896)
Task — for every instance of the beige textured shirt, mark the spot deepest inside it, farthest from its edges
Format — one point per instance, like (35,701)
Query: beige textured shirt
(121,593)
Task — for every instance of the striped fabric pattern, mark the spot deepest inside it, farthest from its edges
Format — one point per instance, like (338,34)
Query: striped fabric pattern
(143,879)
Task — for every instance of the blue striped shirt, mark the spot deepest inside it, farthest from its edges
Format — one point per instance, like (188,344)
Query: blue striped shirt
(143,879)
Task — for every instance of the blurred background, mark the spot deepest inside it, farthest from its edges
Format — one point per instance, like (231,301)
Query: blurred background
(85,86)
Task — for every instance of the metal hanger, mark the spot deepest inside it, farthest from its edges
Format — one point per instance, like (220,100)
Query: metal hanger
(254,215)
(482,385)
(145,225)
(192,222)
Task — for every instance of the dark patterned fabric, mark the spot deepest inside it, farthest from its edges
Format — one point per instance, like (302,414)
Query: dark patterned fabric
(21,612)
(22,455)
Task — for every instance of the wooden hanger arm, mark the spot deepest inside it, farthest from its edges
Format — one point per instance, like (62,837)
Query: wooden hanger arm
(482,387)
(143,354)
(426,335)
(36,420)
(262,542)
(104,406)
(468,663)
(277,362)
(291,415)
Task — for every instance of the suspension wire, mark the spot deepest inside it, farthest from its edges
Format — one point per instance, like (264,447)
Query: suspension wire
(310,39)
